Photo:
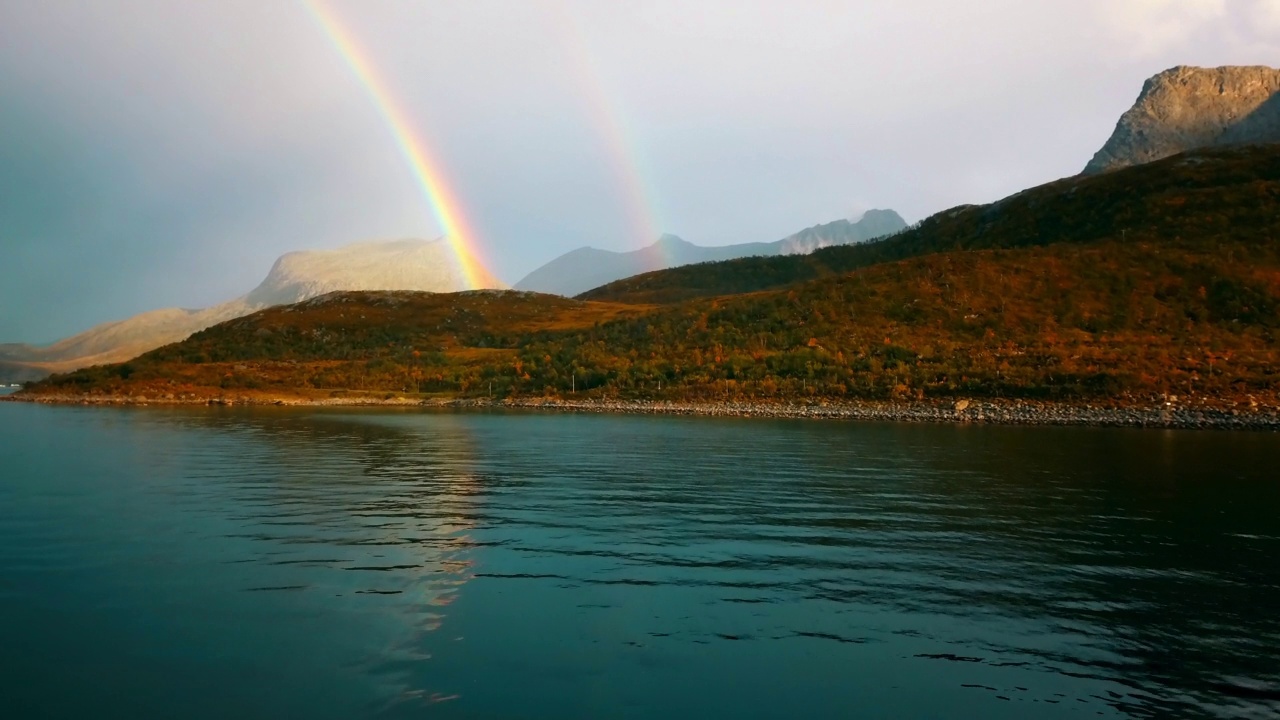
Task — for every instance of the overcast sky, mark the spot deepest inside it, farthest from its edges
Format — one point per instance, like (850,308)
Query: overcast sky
(158,154)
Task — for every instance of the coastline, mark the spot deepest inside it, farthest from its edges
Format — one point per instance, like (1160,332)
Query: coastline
(964,411)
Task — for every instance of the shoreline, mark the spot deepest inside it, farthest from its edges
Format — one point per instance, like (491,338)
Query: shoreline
(963,411)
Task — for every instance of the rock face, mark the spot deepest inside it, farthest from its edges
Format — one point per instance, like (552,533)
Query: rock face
(380,265)
(586,268)
(873,224)
(1185,108)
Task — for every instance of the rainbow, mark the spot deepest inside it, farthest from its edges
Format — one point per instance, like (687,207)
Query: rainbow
(618,136)
(426,169)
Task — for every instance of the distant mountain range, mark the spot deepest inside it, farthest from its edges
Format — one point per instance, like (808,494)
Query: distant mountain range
(1186,108)
(377,265)
(397,265)
(586,268)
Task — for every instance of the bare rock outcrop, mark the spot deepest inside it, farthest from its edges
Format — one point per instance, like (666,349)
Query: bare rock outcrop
(1185,108)
(873,224)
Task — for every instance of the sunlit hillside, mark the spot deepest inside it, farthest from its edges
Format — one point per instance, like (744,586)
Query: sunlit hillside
(1147,282)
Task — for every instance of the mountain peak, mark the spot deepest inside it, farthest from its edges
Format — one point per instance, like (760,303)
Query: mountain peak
(586,268)
(667,239)
(872,224)
(1184,108)
(404,264)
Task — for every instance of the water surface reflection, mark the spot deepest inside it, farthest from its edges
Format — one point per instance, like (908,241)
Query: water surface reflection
(396,564)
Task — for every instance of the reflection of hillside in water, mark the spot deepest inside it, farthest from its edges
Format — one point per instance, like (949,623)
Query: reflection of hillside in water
(1136,558)
(349,505)
(1138,563)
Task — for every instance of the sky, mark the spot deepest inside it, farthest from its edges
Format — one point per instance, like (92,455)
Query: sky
(158,154)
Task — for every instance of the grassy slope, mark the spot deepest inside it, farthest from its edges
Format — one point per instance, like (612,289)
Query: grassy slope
(1117,289)
(382,341)
(1065,321)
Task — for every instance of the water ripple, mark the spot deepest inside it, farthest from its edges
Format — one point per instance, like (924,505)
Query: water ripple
(642,567)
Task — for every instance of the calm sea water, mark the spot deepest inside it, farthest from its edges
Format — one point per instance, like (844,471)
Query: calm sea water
(343,564)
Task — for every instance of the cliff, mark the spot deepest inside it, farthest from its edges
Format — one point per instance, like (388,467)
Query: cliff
(1186,108)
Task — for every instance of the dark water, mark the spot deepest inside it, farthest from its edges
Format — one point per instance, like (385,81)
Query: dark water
(273,564)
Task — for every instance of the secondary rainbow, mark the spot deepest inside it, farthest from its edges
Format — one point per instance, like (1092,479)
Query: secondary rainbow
(610,121)
(426,170)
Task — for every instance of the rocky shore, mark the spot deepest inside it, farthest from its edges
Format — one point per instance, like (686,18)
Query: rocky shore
(1004,412)
(963,411)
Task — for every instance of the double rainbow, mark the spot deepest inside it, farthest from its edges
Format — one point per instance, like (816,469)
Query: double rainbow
(426,169)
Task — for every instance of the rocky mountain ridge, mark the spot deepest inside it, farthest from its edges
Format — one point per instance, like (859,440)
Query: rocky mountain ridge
(1185,108)
(587,268)
(873,224)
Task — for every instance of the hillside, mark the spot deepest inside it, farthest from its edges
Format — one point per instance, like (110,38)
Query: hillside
(1186,108)
(379,265)
(1206,197)
(385,340)
(586,268)
(1116,323)
(1118,289)
(1111,322)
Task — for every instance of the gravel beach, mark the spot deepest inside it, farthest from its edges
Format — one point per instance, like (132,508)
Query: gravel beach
(1004,412)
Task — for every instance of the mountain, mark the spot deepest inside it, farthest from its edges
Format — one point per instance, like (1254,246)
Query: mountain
(425,265)
(586,268)
(873,224)
(1220,195)
(1154,283)
(116,341)
(375,265)
(1185,108)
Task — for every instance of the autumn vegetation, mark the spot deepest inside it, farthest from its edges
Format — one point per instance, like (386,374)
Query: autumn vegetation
(1126,288)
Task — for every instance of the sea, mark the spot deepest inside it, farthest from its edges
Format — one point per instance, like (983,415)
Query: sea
(347,563)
